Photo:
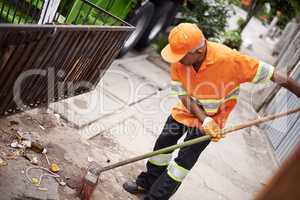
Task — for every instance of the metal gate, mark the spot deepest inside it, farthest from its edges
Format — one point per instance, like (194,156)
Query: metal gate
(284,133)
(40,64)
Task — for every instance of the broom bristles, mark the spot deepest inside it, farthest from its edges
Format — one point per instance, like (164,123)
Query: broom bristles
(86,190)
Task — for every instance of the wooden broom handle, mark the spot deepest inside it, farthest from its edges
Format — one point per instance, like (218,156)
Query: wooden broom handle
(198,140)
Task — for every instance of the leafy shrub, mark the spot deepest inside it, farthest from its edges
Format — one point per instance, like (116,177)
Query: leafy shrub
(210,16)
(233,39)
(240,22)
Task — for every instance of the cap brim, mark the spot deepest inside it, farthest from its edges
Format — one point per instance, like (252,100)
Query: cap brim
(169,56)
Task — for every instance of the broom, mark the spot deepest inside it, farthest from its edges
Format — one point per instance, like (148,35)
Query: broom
(90,180)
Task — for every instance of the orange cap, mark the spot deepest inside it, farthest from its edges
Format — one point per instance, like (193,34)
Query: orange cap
(182,39)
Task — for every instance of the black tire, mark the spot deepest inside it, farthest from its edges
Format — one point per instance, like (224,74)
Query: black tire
(163,15)
(140,18)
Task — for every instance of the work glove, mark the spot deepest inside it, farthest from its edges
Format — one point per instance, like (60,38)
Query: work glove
(211,128)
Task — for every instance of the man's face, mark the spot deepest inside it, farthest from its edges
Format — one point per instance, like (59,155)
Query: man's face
(197,56)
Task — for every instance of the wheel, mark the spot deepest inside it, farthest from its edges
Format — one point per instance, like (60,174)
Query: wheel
(140,18)
(163,15)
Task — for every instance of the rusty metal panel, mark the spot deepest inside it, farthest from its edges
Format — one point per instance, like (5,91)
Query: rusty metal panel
(43,64)
(40,64)
(283,133)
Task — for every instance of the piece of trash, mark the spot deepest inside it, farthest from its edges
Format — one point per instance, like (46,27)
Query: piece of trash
(22,172)
(21,135)
(54,168)
(19,132)
(57,116)
(18,153)
(90,159)
(38,148)
(42,189)
(14,144)
(44,151)
(17,145)
(35,181)
(34,160)
(34,146)
(37,122)
(108,161)
(12,123)
(2,162)
(43,128)
(26,143)
(62,183)
(47,159)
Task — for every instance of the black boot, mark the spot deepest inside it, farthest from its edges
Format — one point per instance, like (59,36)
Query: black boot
(133,188)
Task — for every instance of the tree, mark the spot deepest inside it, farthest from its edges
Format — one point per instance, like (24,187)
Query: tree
(288,8)
(210,15)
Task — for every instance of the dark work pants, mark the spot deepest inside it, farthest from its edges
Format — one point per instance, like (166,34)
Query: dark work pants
(155,180)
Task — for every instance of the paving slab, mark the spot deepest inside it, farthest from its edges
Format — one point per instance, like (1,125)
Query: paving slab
(127,86)
(154,111)
(123,85)
(105,123)
(148,71)
(87,108)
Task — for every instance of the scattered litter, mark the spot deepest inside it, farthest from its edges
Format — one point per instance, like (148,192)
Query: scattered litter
(47,159)
(34,146)
(13,123)
(43,128)
(38,181)
(54,168)
(35,181)
(42,189)
(2,162)
(34,160)
(90,159)
(19,131)
(37,122)
(15,144)
(26,143)
(38,148)
(62,183)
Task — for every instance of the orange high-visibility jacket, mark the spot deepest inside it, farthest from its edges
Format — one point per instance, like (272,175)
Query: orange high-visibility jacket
(215,87)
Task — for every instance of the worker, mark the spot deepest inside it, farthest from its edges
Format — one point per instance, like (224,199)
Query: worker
(206,76)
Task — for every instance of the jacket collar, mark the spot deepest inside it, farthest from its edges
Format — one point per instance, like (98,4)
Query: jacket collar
(210,56)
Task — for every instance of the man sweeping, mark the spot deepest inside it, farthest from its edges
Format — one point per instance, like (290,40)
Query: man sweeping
(206,77)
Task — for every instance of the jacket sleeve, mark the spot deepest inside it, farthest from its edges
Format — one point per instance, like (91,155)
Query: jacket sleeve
(249,69)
